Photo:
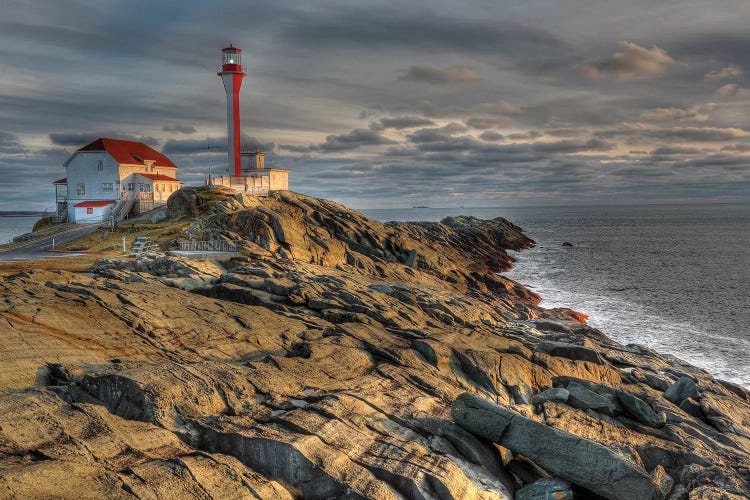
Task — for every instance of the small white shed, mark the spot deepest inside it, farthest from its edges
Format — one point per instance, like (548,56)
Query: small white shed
(92,211)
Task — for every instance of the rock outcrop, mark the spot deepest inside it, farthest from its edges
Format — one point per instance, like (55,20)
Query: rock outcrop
(342,358)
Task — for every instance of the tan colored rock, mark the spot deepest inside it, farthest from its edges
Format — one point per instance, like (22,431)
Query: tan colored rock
(322,365)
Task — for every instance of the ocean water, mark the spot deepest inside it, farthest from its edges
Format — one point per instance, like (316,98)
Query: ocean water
(14,226)
(673,277)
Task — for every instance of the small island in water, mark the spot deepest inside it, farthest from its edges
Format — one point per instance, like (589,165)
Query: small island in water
(314,352)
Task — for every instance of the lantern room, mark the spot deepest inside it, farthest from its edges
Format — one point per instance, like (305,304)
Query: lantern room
(231,58)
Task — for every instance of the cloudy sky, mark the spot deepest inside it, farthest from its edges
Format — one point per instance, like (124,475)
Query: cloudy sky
(391,103)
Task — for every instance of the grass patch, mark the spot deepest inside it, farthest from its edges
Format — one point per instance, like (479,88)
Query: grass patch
(107,242)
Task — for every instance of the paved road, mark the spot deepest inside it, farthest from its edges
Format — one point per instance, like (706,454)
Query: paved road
(39,249)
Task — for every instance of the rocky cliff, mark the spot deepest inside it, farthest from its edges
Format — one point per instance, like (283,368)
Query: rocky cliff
(342,358)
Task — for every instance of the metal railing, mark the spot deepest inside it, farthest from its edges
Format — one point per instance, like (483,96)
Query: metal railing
(123,207)
(258,191)
(207,246)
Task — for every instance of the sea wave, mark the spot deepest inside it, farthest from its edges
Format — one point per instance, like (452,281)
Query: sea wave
(628,322)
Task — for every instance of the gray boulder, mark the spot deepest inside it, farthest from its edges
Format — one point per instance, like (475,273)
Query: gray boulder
(481,417)
(584,399)
(476,451)
(641,412)
(658,383)
(575,459)
(546,489)
(524,470)
(692,408)
(662,480)
(556,394)
(681,390)
(522,394)
(571,351)
(159,216)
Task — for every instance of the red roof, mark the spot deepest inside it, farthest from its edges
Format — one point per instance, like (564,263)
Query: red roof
(129,152)
(64,180)
(94,203)
(231,47)
(158,177)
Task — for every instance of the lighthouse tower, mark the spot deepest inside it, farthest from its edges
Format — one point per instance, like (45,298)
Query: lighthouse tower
(247,170)
(232,72)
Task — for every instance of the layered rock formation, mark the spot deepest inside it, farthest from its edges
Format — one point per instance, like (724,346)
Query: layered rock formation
(343,358)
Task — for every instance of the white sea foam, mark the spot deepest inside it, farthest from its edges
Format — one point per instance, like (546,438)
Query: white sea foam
(631,323)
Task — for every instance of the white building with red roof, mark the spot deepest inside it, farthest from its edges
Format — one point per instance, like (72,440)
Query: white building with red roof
(113,178)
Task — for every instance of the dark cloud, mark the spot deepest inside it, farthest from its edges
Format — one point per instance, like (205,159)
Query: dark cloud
(736,147)
(402,122)
(436,134)
(182,129)
(484,122)
(574,146)
(355,139)
(80,139)
(525,136)
(218,145)
(674,150)
(10,144)
(500,107)
(719,46)
(461,143)
(195,146)
(632,61)
(359,27)
(430,73)
(565,132)
(698,134)
(491,135)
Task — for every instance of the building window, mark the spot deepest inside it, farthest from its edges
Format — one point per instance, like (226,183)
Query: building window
(81,189)
(107,186)
(100,165)
(89,211)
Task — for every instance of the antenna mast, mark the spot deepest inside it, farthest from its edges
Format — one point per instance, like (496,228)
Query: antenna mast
(208,149)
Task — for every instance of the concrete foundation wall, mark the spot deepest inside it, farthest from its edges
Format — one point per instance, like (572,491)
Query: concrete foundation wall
(279,180)
(257,183)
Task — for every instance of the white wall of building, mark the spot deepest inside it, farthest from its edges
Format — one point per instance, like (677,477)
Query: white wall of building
(83,170)
(161,189)
(126,170)
(97,214)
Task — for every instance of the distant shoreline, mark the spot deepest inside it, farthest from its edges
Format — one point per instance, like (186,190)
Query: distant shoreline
(21,213)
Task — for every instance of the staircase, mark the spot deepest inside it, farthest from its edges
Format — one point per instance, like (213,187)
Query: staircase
(123,208)
(143,245)
(62,216)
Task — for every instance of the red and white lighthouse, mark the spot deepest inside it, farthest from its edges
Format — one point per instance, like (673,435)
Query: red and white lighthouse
(232,72)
